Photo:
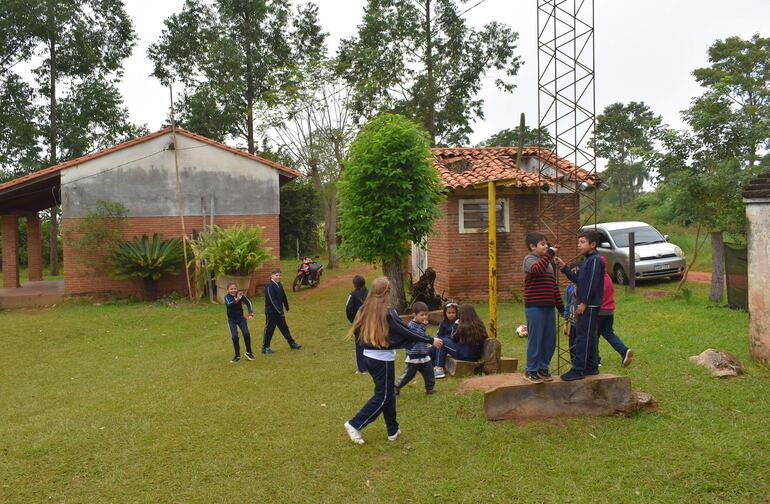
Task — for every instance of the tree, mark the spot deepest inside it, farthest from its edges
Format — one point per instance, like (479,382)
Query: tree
(419,58)
(230,57)
(300,215)
(389,195)
(315,127)
(312,120)
(511,137)
(19,129)
(82,44)
(731,120)
(625,135)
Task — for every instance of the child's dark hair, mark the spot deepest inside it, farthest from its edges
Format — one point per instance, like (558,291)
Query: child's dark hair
(471,330)
(592,236)
(535,237)
(447,305)
(419,307)
(359,282)
(275,270)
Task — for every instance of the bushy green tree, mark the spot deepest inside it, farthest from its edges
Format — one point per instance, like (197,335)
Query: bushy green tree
(730,125)
(625,135)
(300,216)
(389,195)
(419,58)
(230,56)
(74,107)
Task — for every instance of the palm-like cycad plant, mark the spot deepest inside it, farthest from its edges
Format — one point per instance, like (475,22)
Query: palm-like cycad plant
(148,259)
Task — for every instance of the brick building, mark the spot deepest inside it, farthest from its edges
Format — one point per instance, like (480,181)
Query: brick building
(458,252)
(234,186)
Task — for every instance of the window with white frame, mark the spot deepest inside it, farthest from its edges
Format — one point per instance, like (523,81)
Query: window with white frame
(474,215)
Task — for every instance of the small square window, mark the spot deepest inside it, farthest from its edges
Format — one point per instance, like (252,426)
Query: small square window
(474,215)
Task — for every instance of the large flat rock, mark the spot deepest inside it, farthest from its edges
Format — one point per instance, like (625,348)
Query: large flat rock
(599,395)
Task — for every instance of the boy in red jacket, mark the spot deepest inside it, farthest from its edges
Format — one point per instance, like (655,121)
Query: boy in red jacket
(607,318)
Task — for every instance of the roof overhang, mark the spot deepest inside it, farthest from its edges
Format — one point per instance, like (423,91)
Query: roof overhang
(32,195)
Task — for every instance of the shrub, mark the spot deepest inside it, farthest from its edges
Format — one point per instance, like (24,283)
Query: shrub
(236,250)
(148,260)
(97,235)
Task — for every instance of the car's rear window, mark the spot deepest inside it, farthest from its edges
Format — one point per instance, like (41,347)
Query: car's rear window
(642,236)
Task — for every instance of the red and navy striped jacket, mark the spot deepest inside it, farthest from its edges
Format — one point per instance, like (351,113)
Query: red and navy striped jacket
(540,285)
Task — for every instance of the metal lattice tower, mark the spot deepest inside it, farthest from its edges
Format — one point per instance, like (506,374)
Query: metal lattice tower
(566,104)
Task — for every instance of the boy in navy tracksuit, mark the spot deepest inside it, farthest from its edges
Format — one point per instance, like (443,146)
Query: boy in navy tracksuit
(354,303)
(275,301)
(234,302)
(417,357)
(590,294)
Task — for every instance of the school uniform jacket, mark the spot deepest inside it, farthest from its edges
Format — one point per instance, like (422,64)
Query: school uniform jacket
(399,334)
(235,306)
(275,299)
(355,301)
(589,279)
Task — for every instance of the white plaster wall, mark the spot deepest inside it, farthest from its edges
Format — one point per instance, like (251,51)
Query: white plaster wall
(758,214)
(143,178)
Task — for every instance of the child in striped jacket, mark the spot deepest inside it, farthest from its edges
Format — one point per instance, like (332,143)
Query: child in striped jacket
(541,296)
(417,358)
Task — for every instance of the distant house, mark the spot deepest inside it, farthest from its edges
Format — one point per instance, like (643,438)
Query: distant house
(237,187)
(458,252)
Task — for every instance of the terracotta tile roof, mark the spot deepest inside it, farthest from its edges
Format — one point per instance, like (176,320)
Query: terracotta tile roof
(469,166)
(135,141)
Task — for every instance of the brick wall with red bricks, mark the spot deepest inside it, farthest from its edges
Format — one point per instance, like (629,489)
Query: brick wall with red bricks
(79,279)
(461,260)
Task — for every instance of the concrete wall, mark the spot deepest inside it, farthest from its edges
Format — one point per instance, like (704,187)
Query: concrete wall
(461,260)
(758,213)
(143,178)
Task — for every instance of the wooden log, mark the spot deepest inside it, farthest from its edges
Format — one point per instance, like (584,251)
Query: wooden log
(593,396)
(460,368)
(508,364)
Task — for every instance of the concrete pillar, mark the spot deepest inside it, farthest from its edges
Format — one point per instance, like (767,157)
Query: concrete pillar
(34,248)
(758,213)
(10,229)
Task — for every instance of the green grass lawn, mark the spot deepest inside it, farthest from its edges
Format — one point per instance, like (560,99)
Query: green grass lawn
(135,402)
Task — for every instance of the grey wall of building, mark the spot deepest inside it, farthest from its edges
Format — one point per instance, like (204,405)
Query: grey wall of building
(143,179)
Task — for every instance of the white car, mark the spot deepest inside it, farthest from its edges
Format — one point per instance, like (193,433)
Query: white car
(654,257)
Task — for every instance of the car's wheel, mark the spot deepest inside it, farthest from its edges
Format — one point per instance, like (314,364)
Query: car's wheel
(296,284)
(620,275)
(677,277)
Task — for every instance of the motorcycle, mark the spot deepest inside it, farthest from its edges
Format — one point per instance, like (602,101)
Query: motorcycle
(308,273)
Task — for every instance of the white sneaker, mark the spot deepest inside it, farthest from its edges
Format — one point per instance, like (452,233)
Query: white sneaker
(628,357)
(355,434)
(438,372)
(394,436)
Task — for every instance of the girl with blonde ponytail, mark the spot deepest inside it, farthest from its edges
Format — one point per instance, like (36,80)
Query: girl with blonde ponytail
(379,330)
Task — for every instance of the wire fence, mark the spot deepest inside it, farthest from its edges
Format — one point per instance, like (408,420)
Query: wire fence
(737,275)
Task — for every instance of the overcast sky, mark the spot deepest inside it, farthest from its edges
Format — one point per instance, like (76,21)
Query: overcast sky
(646,51)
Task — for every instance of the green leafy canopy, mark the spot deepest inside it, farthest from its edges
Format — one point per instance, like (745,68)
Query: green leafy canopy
(142,258)
(236,250)
(389,191)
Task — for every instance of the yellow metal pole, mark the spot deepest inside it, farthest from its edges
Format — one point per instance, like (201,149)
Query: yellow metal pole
(492,195)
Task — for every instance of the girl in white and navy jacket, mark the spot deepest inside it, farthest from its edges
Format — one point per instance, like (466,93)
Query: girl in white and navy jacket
(380,331)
